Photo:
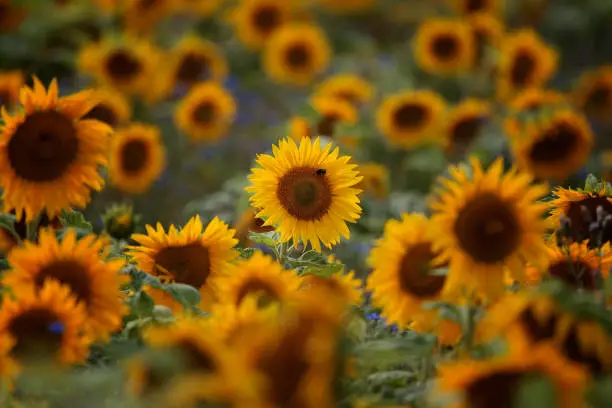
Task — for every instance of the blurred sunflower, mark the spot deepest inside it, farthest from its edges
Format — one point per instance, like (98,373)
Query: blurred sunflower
(42,325)
(11,15)
(375,180)
(593,93)
(332,111)
(127,64)
(137,158)
(410,118)
(256,20)
(345,6)
(249,222)
(464,123)
(344,285)
(201,8)
(487,383)
(296,53)
(141,16)
(556,146)
(79,265)
(259,276)
(528,101)
(349,87)
(194,255)
(112,108)
(486,221)
(488,32)
(526,61)
(206,112)
(494,7)
(444,46)
(307,192)
(120,221)
(10,85)
(49,156)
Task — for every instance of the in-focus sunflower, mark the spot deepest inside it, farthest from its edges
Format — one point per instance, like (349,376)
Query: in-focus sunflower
(444,46)
(554,147)
(79,265)
(127,64)
(410,118)
(256,20)
(191,256)
(570,203)
(112,108)
(345,6)
(529,101)
(307,192)
(196,60)
(137,158)
(375,180)
(488,32)
(488,383)
(332,111)
(464,7)
(248,222)
(49,156)
(39,326)
(344,285)
(296,53)
(526,61)
(259,276)
(350,87)
(206,112)
(464,123)
(593,93)
(10,85)
(485,222)
(141,16)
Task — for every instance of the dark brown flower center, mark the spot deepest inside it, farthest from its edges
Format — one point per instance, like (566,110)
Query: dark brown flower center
(556,145)
(579,226)
(266,19)
(574,351)
(38,334)
(474,6)
(188,264)
(522,69)
(5,96)
(466,130)
(487,228)
(103,113)
(495,390)
(600,97)
(304,194)
(134,156)
(326,125)
(445,47)
(196,359)
(205,113)
(297,56)
(259,227)
(259,288)
(538,330)
(414,272)
(193,68)
(575,274)
(410,116)
(70,273)
(123,66)
(43,147)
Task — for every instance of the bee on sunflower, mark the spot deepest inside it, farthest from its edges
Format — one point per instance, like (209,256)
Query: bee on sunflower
(256,20)
(485,223)
(296,53)
(49,155)
(11,83)
(349,87)
(375,180)
(409,119)
(137,158)
(464,124)
(529,101)
(112,108)
(593,93)
(206,112)
(444,46)
(304,204)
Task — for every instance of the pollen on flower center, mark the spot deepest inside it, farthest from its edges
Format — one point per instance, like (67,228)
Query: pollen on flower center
(188,264)
(305,194)
(43,146)
(134,156)
(414,270)
(70,273)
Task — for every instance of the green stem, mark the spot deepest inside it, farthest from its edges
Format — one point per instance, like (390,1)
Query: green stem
(32,229)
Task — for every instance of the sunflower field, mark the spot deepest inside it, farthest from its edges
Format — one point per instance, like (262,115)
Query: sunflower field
(305,203)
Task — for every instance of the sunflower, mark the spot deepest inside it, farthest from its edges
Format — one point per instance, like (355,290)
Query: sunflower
(141,16)
(10,85)
(375,180)
(307,192)
(332,111)
(525,62)
(555,147)
(486,222)
(190,256)
(344,285)
(593,93)
(49,157)
(444,46)
(196,60)
(345,6)
(528,101)
(259,276)
(488,32)
(206,112)
(201,8)
(570,203)
(112,108)
(80,265)
(39,325)
(469,7)
(137,158)
(464,123)
(296,53)
(120,221)
(489,383)
(256,20)
(410,118)
(127,64)
(11,15)
(248,222)
(8,240)
(349,87)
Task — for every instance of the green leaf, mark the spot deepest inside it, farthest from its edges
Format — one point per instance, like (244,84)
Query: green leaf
(396,350)
(263,239)
(313,257)
(536,392)
(246,253)
(429,159)
(142,304)
(7,222)
(76,220)
(323,271)
(80,232)
(357,327)
(187,295)
(600,395)
(392,377)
